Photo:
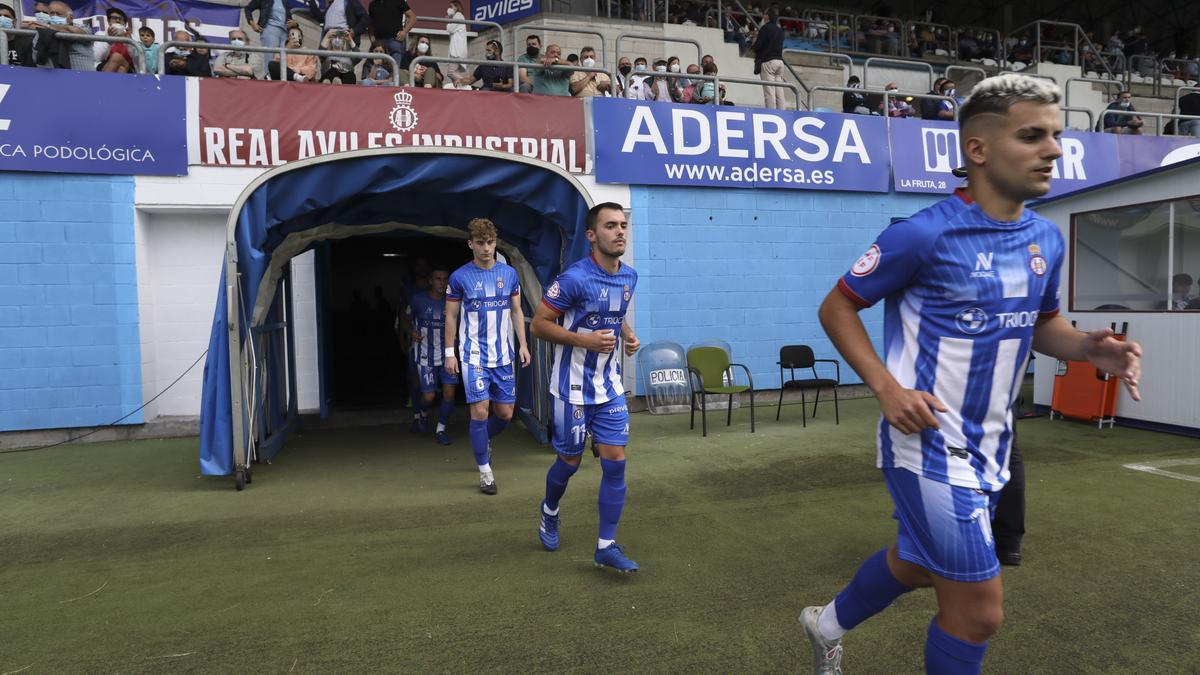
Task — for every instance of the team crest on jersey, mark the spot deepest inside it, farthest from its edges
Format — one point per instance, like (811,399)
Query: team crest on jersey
(578,414)
(867,262)
(479,385)
(1038,265)
(971,321)
(499,283)
(626,296)
(554,291)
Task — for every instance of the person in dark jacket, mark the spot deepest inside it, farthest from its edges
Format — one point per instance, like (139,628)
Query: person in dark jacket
(768,58)
(341,14)
(274,20)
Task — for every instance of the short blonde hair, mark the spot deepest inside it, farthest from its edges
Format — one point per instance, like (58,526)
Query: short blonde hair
(482,228)
(995,95)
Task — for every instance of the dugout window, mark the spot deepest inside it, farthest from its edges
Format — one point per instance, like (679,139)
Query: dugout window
(1140,257)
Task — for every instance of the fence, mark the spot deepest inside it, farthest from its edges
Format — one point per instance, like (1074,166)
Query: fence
(283,53)
(135,47)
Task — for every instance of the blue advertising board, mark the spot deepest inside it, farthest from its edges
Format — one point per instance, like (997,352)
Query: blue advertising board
(650,143)
(504,11)
(88,126)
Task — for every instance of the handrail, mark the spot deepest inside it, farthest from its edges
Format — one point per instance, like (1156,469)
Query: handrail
(997,44)
(516,66)
(968,69)
(832,56)
(1089,80)
(550,29)
(766,83)
(281,51)
(903,45)
(1086,111)
(715,79)
(882,92)
(655,38)
(911,25)
(1079,32)
(1164,63)
(1156,115)
(78,37)
(1155,72)
(888,59)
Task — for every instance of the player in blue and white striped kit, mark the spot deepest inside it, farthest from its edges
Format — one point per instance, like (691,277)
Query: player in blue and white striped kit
(425,318)
(483,306)
(583,313)
(971,285)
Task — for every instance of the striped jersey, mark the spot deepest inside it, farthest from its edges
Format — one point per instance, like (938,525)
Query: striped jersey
(485,330)
(963,293)
(426,316)
(589,299)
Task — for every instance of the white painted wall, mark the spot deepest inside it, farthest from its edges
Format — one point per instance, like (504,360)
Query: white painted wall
(1170,383)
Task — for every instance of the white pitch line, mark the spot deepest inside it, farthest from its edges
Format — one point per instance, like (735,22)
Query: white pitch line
(1156,468)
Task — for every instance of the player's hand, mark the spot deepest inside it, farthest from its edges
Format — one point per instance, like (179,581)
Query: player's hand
(416,338)
(601,341)
(1119,359)
(632,344)
(910,410)
(451,365)
(524,356)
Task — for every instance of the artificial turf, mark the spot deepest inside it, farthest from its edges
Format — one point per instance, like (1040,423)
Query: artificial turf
(370,550)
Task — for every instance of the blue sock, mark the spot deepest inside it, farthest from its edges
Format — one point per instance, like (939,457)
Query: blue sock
(948,655)
(444,411)
(612,496)
(495,425)
(871,590)
(556,482)
(479,441)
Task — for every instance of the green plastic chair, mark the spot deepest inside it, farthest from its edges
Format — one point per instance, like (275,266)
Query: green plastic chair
(706,372)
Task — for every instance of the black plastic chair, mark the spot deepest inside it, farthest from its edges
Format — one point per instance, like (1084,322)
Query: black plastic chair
(793,357)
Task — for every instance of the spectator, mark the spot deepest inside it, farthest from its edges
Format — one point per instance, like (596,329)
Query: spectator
(425,76)
(491,77)
(659,89)
(624,68)
(929,106)
(376,72)
(237,65)
(733,31)
(458,41)
(895,105)
(968,47)
(946,109)
(706,59)
(348,15)
(1022,52)
(114,57)
(683,89)
(274,20)
(422,47)
(391,20)
(1118,123)
(573,59)
(533,50)
(853,102)
(638,89)
(586,85)
(338,69)
(149,48)
(768,58)
(548,81)
(708,89)
(300,68)
(673,66)
(1190,105)
(53,52)
(20,47)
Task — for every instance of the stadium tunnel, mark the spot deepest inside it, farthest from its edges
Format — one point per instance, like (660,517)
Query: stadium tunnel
(389,196)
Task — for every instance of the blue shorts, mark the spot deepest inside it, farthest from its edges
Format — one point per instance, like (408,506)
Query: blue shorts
(944,528)
(431,377)
(607,422)
(489,384)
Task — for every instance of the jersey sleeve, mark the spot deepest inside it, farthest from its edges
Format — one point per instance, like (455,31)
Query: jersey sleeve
(890,264)
(454,288)
(1050,296)
(561,294)
(515,282)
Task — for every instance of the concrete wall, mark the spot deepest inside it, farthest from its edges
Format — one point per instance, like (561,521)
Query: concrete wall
(69,353)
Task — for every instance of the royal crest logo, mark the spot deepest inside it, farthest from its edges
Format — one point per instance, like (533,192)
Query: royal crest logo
(554,291)
(499,283)
(403,117)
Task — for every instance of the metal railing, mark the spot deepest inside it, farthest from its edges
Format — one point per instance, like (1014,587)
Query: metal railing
(649,75)
(551,29)
(1175,71)
(515,65)
(135,47)
(912,32)
(282,52)
(655,38)
(909,63)
(881,92)
(1089,80)
(1152,72)
(781,83)
(966,69)
(1158,118)
(1077,38)
(997,45)
(832,56)
(1086,111)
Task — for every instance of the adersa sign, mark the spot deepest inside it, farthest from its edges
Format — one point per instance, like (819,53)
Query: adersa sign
(272,123)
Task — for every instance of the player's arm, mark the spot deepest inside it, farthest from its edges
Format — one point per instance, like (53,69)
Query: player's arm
(905,409)
(632,344)
(1058,338)
(545,326)
(450,363)
(518,320)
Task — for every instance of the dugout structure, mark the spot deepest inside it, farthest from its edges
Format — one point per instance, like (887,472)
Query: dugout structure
(249,402)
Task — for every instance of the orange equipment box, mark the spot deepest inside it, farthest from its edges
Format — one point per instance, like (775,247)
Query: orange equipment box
(1084,392)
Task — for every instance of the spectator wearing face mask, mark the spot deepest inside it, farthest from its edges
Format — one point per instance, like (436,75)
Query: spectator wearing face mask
(273,22)
(348,15)
(149,48)
(376,72)
(707,89)
(20,47)
(929,106)
(191,60)
(551,82)
(337,69)
(854,102)
(1115,123)
(238,65)
(52,52)
(895,106)
(945,109)
(638,88)
(490,77)
(673,66)
(299,67)
(422,47)
(114,57)
(660,90)
(586,85)
(683,89)
(624,68)
(458,40)
(533,50)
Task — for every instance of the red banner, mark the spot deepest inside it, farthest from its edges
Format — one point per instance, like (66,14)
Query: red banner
(271,123)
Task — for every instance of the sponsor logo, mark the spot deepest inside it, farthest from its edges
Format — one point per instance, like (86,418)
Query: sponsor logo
(592,321)
(479,285)
(960,453)
(867,262)
(941,150)
(668,376)
(554,291)
(577,387)
(403,117)
(502,8)
(476,305)
(983,265)
(618,409)
(603,293)
(1038,265)
(1016,319)
(972,320)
